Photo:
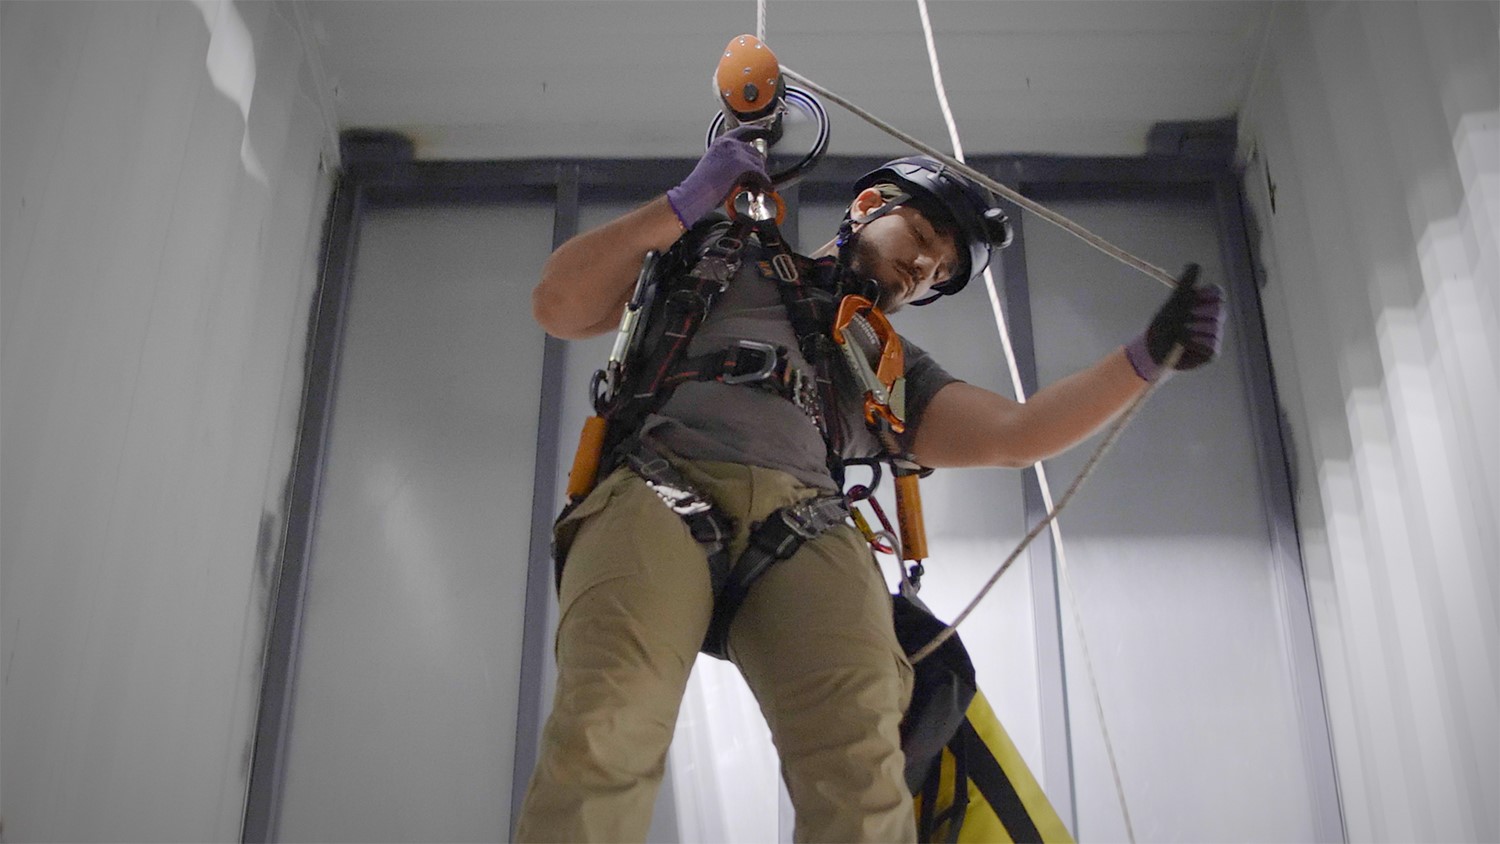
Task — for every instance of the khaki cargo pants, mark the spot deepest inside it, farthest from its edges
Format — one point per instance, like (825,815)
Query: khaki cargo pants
(814,640)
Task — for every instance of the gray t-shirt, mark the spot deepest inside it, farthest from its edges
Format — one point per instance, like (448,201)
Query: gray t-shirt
(709,420)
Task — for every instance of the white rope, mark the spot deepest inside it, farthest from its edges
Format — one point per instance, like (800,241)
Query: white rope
(1051,519)
(1088,660)
(760,20)
(1041,472)
(1018,390)
(937,82)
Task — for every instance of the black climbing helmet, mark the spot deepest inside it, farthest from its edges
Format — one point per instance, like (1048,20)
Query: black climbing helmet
(971,209)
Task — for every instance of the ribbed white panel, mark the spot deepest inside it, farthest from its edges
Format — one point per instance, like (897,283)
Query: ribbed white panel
(161,211)
(1372,142)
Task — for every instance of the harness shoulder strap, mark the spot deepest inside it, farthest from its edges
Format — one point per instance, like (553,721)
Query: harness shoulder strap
(695,271)
(810,292)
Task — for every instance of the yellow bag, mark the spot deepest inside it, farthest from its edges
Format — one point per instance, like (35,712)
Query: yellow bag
(1001,800)
(950,734)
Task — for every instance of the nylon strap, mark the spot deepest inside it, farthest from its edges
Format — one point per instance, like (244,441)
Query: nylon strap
(777,538)
(773,540)
(810,307)
(995,785)
(709,525)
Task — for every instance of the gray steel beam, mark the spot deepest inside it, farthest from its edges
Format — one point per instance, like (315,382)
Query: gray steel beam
(283,630)
(539,570)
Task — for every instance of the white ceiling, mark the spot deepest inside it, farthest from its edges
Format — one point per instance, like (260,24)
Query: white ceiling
(626,78)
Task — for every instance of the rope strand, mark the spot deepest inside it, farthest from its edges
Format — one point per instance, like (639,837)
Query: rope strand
(937,82)
(956,161)
(1034,207)
(1088,661)
(1109,440)
(1041,472)
(1088,468)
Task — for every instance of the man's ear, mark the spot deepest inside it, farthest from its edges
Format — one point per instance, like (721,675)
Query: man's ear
(868,200)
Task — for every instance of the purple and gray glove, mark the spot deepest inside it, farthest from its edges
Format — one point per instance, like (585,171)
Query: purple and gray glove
(729,162)
(1192,316)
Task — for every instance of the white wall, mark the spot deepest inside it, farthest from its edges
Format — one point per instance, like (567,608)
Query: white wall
(1373,166)
(162,206)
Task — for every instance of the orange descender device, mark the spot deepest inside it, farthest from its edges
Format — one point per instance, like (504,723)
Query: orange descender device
(861,331)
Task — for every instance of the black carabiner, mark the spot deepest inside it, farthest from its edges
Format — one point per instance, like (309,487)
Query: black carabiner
(862,492)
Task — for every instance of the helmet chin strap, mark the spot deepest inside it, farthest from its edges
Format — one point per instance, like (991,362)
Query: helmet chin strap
(848,234)
(845,242)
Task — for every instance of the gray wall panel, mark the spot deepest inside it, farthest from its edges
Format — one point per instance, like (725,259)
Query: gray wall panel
(1171,565)
(405,715)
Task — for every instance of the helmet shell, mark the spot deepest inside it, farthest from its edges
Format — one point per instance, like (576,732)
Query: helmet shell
(982,225)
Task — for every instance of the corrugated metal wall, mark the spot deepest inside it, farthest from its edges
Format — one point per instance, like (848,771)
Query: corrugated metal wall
(163,197)
(1373,156)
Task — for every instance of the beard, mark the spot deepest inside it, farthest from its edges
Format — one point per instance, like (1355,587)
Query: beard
(865,260)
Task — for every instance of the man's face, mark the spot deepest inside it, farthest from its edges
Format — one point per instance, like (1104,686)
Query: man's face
(905,254)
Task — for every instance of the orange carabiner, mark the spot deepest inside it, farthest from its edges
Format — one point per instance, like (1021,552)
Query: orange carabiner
(882,382)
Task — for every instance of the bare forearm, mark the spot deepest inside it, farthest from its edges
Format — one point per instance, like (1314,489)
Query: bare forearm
(1068,411)
(970,426)
(586,281)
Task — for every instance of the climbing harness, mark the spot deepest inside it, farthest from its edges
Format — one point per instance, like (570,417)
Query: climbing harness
(682,309)
(664,320)
(648,361)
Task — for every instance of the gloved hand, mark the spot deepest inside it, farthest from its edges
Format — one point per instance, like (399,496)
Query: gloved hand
(1192,316)
(730,161)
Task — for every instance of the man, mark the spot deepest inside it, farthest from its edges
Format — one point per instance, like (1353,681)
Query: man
(813,637)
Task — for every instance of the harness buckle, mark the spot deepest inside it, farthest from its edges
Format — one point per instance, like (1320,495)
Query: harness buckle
(815,516)
(770,359)
(715,269)
(719,263)
(804,389)
(786,268)
(663,480)
(680,501)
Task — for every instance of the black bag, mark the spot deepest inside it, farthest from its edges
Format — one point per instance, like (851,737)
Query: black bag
(942,689)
